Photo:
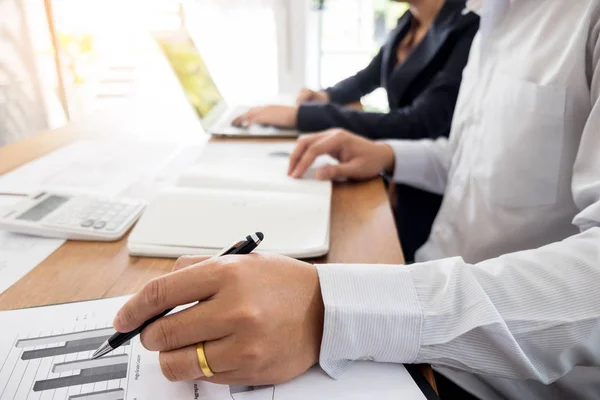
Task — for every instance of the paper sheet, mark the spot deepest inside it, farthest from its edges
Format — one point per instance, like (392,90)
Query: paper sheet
(19,254)
(44,354)
(132,169)
(253,166)
(91,166)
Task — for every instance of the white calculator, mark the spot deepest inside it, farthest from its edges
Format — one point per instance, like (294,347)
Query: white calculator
(71,216)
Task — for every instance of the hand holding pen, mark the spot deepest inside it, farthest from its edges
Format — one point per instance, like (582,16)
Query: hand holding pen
(245,246)
(259,318)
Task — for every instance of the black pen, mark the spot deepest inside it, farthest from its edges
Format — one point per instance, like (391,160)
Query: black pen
(245,246)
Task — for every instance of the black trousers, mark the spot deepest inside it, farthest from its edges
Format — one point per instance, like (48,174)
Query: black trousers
(450,391)
(415,211)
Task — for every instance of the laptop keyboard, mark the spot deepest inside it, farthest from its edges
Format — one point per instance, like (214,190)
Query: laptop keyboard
(231,114)
(228,129)
(224,126)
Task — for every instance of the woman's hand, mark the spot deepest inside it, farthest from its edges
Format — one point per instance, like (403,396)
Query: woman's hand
(359,158)
(279,116)
(260,316)
(307,95)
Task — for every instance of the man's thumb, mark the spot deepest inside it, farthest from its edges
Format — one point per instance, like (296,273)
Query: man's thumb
(338,171)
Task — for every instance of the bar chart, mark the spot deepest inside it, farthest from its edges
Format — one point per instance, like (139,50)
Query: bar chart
(237,392)
(63,367)
(58,366)
(45,354)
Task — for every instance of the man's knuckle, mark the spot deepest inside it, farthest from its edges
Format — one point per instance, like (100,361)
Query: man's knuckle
(303,139)
(186,259)
(127,315)
(181,262)
(162,337)
(155,293)
(250,316)
(168,368)
(251,355)
(311,152)
(229,270)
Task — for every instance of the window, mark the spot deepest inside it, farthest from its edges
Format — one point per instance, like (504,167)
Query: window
(108,54)
(352,31)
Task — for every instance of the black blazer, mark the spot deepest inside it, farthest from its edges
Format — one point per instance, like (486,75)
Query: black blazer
(421,91)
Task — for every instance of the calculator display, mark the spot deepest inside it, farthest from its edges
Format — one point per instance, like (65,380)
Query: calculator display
(43,208)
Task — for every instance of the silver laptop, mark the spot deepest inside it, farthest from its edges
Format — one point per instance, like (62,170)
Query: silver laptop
(201,91)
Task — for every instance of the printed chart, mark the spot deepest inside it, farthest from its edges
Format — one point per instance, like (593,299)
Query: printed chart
(58,366)
(45,354)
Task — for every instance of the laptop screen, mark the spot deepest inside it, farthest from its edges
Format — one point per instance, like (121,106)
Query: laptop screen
(191,70)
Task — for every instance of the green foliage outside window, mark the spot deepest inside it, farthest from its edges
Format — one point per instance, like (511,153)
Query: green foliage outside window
(391,11)
(78,55)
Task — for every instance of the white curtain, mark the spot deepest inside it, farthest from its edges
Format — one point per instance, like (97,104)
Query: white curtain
(22,110)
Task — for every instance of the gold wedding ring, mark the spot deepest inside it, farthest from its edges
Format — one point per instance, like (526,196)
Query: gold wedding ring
(202,360)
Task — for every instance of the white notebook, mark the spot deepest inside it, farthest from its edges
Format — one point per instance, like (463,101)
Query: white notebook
(230,195)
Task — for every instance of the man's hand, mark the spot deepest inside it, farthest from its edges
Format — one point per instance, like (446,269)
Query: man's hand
(280,116)
(359,158)
(260,316)
(307,95)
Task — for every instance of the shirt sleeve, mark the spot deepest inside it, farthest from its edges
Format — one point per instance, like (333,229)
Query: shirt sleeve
(424,164)
(527,315)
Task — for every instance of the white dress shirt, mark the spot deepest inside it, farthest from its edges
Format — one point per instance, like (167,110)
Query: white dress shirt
(506,298)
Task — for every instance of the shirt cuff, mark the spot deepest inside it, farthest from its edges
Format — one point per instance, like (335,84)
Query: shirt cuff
(411,157)
(372,312)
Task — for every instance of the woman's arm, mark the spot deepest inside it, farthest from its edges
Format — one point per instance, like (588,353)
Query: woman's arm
(429,116)
(344,93)
(362,83)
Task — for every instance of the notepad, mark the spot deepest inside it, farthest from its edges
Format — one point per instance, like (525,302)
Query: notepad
(233,191)
(45,353)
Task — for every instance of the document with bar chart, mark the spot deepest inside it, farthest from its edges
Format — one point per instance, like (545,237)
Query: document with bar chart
(45,354)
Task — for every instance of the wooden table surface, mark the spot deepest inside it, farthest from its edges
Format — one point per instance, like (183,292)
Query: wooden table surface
(362,231)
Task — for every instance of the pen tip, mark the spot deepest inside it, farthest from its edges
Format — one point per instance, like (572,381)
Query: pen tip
(102,350)
(260,235)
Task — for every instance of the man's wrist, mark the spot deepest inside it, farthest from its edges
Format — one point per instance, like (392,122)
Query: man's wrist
(411,162)
(387,157)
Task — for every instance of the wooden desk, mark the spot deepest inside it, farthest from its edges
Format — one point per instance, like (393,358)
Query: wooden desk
(362,231)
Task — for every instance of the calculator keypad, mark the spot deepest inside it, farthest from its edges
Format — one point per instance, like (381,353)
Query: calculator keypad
(94,215)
